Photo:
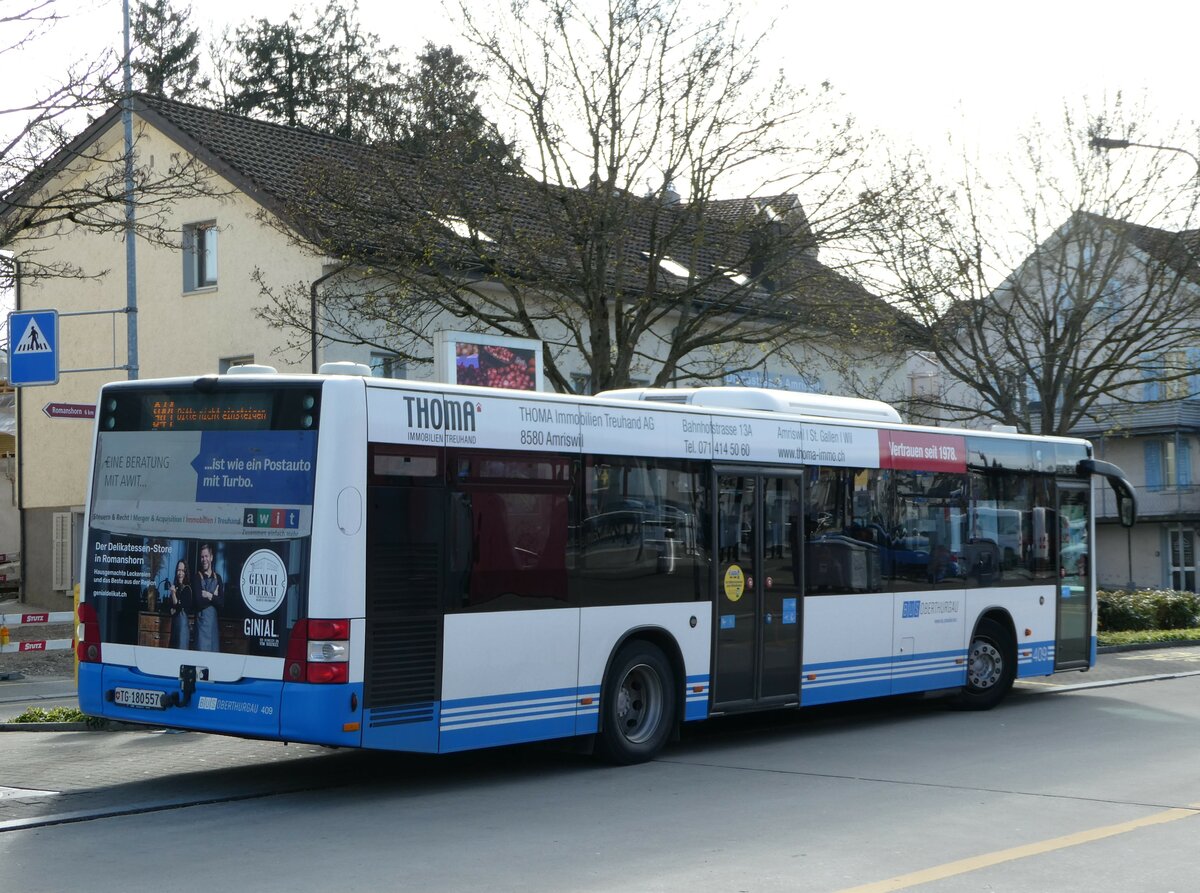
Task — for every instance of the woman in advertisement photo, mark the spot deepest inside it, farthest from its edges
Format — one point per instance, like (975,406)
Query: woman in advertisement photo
(179,592)
(209,595)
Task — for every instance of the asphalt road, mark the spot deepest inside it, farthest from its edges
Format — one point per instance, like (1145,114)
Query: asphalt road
(1087,788)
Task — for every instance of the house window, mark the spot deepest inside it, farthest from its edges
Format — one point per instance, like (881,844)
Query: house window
(1183,560)
(228,363)
(1172,375)
(200,255)
(1168,463)
(1177,366)
(386,365)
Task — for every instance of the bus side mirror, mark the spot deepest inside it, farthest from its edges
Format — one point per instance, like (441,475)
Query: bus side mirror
(1126,496)
(1126,509)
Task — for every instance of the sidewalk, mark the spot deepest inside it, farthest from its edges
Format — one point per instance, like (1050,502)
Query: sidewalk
(48,777)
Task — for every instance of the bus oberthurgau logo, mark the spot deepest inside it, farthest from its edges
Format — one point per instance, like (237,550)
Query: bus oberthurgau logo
(264,582)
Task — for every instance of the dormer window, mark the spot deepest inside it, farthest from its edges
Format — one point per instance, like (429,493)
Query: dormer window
(462,229)
(672,266)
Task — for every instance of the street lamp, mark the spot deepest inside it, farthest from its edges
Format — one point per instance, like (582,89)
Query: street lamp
(1103,142)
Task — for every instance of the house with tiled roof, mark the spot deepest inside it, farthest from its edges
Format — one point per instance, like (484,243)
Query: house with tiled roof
(278,208)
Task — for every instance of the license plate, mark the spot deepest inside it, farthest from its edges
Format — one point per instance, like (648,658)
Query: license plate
(140,697)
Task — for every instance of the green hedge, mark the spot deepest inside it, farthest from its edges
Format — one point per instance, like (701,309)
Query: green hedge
(1148,609)
(1150,637)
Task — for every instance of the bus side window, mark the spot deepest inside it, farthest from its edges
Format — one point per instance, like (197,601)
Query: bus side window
(511,521)
(928,546)
(999,528)
(842,532)
(640,527)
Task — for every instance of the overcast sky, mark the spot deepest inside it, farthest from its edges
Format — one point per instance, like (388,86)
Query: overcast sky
(915,70)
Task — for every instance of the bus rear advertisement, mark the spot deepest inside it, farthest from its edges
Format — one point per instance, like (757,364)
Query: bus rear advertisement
(410,566)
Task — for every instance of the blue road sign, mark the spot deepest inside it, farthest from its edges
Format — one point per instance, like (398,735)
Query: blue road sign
(33,347)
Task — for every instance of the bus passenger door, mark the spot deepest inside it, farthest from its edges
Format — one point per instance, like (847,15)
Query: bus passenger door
(758,610)
(1073,612)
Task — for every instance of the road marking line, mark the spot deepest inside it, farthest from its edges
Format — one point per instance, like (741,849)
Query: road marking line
(974,863)
(14,793)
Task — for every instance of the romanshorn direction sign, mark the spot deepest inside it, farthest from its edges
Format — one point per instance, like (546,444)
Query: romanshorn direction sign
(70,410)
(33,347)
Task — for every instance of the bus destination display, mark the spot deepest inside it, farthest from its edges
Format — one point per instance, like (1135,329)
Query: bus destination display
(225,409)
(231,412)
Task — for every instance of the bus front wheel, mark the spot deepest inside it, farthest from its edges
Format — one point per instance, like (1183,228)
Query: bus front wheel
(991,667)
(638,710)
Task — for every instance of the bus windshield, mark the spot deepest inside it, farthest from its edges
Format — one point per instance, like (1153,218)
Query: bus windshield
(201,516)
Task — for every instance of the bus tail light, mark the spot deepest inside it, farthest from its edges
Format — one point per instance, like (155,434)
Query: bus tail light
(318,652)
(87,637)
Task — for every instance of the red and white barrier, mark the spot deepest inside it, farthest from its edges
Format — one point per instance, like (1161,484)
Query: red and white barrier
(45,617)
(46,645)
(7,621)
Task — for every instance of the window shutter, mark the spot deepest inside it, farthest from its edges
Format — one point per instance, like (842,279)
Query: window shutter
(1153,451)
(60,558)
(189,258)
(1152,390)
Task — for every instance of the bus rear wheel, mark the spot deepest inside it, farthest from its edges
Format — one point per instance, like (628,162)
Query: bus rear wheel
(991,667)
(637,712)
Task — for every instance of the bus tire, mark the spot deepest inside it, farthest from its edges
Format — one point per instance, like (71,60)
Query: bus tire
(638,705)
(991,667)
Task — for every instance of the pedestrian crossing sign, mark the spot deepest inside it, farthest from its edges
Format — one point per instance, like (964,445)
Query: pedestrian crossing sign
(33,347)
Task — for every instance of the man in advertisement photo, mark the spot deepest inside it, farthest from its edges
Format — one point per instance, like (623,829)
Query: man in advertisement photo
(209,595)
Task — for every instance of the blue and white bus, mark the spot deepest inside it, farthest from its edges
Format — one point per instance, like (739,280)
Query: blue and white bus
(411,566)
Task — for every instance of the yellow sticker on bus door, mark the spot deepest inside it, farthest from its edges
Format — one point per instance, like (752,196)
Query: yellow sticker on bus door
(735,583)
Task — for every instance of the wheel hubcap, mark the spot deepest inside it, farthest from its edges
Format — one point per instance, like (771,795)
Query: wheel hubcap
(639,704)
(986,666)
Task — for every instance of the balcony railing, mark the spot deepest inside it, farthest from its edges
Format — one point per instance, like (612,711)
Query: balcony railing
(1164,504)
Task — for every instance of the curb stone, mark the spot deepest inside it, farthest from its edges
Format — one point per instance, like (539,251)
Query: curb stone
(44,727)
(1147,646)
(108,726)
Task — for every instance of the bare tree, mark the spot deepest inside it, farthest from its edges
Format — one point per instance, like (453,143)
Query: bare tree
(51,180)
(615,244)
(1061,288)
